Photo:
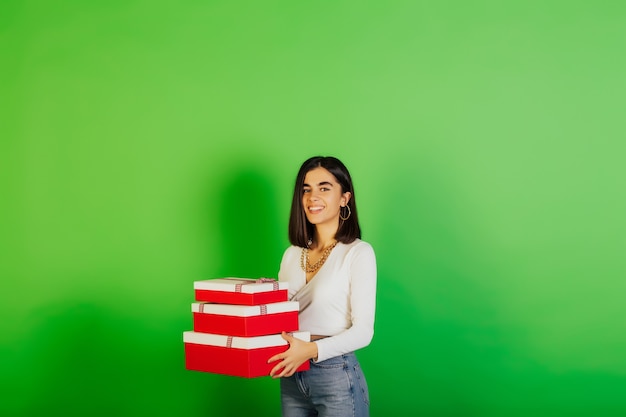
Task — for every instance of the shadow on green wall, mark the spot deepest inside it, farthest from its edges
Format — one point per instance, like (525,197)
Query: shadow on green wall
(248,228)
(103,356)
(249,232)
(84,358)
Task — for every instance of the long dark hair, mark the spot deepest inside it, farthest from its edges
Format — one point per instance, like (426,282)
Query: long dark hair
(300,229)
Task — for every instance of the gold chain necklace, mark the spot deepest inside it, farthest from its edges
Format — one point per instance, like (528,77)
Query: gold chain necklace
(304,259)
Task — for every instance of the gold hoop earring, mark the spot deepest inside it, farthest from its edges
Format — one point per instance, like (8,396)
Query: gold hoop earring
(349,213)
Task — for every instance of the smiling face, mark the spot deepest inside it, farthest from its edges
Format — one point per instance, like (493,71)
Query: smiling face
(322,198)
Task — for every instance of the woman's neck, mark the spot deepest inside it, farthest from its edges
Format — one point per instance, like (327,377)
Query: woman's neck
(324,237)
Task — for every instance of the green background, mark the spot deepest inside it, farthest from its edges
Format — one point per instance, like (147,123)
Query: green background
(148,144)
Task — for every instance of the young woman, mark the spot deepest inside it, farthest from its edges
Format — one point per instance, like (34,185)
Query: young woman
(332,274)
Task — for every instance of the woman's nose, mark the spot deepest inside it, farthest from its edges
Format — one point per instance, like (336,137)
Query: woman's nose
(313,195)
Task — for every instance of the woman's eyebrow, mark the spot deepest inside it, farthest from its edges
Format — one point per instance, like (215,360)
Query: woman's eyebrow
(319,184)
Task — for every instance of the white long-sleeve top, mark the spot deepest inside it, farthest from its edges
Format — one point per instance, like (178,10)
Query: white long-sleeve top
(339,301)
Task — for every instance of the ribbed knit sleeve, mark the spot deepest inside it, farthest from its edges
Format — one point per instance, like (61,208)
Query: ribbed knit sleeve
(362,304)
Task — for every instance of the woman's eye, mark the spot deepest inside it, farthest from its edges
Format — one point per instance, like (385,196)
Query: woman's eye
(306,190)
(323,189)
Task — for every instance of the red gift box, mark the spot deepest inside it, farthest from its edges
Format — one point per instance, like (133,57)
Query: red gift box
(237,356)
(242,291)
(247,321)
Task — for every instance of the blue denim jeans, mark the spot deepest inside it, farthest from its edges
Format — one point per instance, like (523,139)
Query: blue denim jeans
(335,387)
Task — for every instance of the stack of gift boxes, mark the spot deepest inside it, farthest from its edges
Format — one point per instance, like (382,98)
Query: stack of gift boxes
(237,325)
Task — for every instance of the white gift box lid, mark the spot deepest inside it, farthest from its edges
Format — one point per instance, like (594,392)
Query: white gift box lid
(243,310)
(241,342)
(244,285)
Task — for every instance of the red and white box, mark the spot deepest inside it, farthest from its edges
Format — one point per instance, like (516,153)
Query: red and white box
(241,291)
(245,321)
(237,356)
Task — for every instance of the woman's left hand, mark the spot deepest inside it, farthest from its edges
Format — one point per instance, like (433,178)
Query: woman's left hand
(299,352)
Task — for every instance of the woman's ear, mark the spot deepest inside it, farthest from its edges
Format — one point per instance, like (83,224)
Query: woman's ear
(345,198)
